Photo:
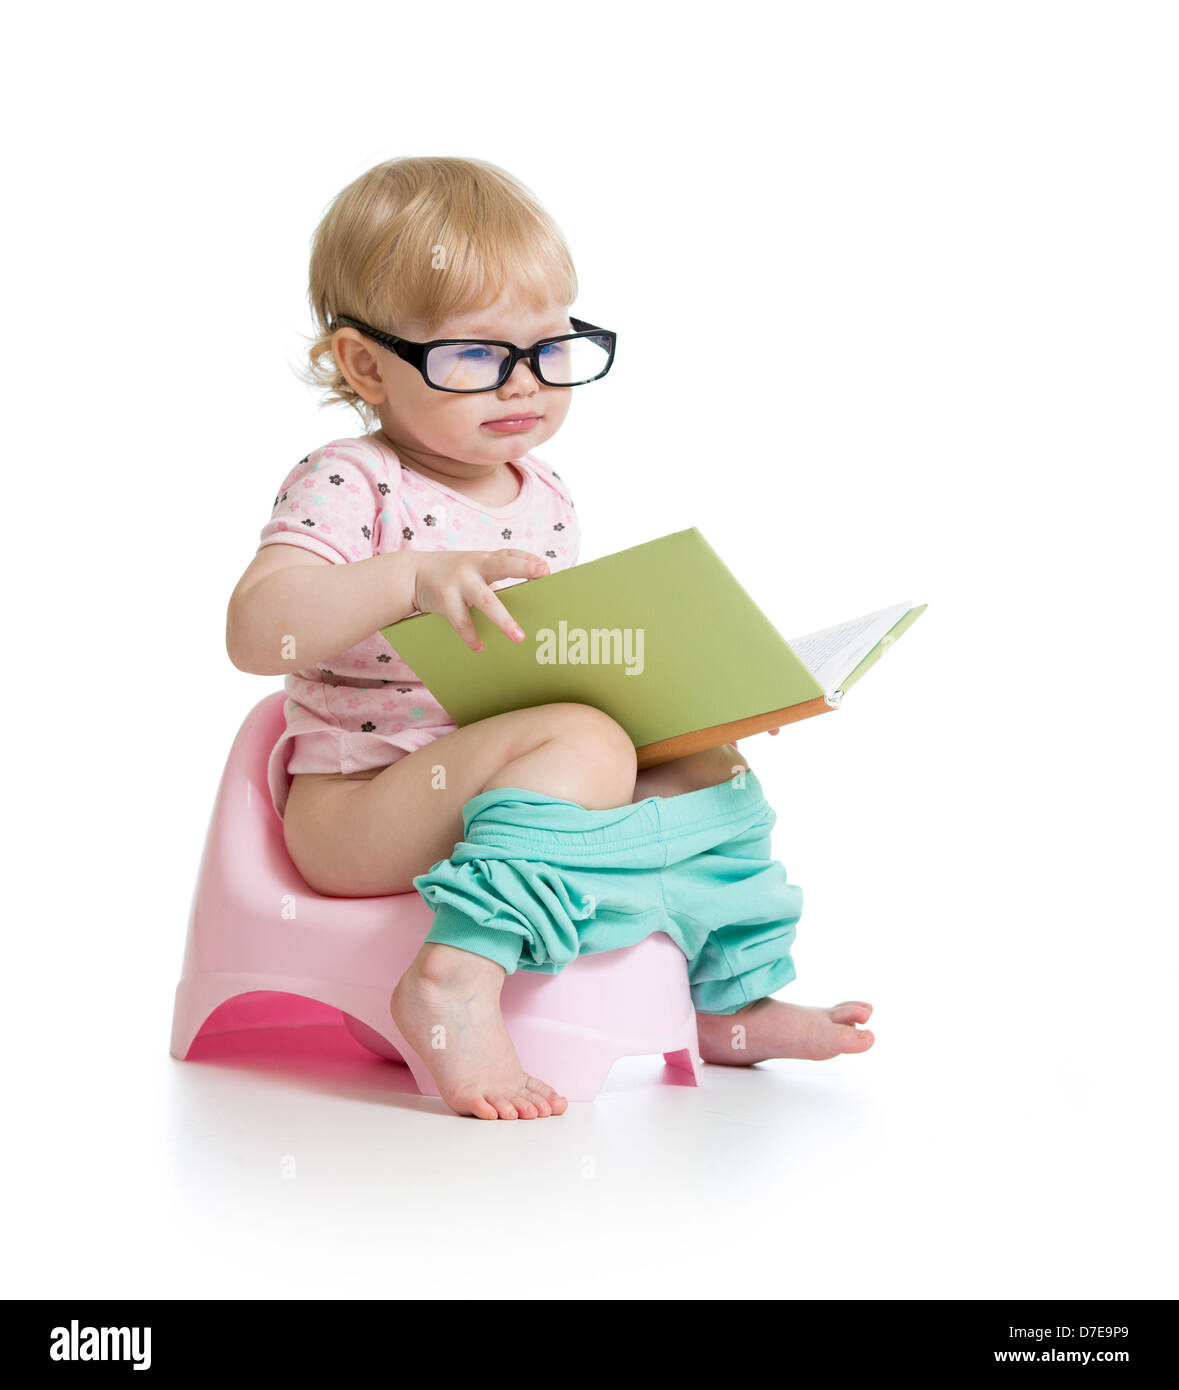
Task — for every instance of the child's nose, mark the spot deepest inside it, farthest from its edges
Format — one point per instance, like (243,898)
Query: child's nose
(521,376)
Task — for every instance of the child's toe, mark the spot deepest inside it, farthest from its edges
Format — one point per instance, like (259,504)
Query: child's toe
(503,1106)
(557,1102)
(477,1104)
(851,1011)
(543,1108)
(524,1106)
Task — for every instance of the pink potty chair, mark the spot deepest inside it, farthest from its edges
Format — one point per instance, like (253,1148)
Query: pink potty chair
(256,929)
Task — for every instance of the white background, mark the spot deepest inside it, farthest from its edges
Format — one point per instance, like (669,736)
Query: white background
(896,294)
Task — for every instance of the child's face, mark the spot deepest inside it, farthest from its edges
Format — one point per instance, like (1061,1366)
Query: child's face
(446,425)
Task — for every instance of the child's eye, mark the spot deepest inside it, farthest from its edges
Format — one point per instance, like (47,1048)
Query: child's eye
(474,353)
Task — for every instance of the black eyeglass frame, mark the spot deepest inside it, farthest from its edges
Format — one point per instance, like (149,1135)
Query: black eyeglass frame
(415,353)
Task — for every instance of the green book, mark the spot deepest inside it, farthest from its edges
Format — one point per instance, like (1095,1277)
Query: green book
(661,637)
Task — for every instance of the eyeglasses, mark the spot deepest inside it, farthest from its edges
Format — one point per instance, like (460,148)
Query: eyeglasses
(469,365)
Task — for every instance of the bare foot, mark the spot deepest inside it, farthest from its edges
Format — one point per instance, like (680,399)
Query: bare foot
(447,1007)
(770,1028)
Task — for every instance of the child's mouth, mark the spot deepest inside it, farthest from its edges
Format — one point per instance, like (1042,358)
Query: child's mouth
(512,424)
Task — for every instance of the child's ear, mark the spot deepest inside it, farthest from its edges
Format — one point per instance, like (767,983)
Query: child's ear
(359,363)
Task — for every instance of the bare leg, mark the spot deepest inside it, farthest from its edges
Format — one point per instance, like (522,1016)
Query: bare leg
(358,837)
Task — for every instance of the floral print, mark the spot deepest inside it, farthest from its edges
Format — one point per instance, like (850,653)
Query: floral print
(353,499)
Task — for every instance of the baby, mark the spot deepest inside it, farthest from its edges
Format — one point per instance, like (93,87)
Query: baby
(441,289)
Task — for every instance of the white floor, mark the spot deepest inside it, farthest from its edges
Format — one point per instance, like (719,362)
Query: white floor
(931,1168)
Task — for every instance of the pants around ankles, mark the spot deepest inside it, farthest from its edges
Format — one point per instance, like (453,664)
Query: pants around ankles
(537,881)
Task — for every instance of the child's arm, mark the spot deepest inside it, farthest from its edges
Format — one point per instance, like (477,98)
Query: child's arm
(292,608)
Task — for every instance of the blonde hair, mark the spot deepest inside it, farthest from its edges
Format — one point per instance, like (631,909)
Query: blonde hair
(419,239)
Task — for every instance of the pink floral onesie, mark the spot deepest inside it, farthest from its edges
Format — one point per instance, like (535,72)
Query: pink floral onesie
(353,499)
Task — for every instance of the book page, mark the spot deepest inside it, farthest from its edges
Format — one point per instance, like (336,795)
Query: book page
(834,652)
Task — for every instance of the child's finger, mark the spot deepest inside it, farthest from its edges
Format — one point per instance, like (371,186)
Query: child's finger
(458,616)
(490,605)
(513,564)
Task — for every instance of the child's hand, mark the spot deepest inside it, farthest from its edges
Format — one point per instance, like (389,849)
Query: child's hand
(451,582)
(773,731)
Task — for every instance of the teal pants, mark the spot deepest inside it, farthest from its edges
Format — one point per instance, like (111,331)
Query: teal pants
(538,881)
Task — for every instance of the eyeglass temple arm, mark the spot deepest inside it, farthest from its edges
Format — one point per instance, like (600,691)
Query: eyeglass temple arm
(395,343)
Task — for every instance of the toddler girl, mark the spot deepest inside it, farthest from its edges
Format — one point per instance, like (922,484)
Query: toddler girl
(531,833)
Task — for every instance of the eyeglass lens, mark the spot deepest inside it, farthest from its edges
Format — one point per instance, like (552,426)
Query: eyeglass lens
(479,366)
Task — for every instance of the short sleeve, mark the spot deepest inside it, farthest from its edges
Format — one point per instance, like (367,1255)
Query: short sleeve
(335,502)
(570,524)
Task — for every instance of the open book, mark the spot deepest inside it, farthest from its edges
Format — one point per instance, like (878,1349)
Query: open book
(661,637)
(838,656)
